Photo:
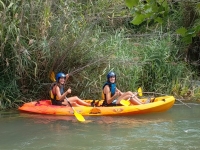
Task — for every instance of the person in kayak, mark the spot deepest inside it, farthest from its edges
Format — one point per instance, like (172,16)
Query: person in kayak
(58,96)
(112,95)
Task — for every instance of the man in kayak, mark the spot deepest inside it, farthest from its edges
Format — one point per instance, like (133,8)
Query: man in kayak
(112,95)
(58,96)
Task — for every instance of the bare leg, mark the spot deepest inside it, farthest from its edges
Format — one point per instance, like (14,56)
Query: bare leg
(135,101)
(126,95)
(133,98)
(78,101)
(74,104)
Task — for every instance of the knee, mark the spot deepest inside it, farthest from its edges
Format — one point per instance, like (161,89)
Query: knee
(77,98)
(129,93)
(132,93)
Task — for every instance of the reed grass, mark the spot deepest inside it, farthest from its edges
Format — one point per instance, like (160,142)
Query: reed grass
(150,63)
(38,37)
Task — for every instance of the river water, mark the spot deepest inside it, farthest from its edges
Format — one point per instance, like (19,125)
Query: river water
(175,129)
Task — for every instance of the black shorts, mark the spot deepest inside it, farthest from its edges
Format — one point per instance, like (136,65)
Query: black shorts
(111,104)
(57,102)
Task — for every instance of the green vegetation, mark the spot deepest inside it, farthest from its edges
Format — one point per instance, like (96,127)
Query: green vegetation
(158,11)
(38,37)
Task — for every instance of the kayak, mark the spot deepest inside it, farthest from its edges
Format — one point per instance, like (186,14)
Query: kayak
(158,104)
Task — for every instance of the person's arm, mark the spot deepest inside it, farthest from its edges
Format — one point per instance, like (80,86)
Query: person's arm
(58,94)
(107,92)
(120,92)
(67,76)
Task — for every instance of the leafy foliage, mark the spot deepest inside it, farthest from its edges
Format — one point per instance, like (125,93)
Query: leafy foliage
(160,10)
(148,10)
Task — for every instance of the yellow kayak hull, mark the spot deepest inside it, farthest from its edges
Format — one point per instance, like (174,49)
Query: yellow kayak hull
(159,104)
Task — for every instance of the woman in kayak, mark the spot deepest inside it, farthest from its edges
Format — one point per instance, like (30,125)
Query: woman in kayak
(112,95)
(58,95)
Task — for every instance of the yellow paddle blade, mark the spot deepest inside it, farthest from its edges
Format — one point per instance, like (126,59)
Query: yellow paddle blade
(125,102)
(78,116)
(140,91)
(52,76)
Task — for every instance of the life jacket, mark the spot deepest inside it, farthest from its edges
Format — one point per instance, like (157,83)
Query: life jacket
(112,87)
(53,96)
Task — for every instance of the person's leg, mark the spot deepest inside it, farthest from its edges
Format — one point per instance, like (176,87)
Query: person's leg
(74,104)
(124,96)
(135,100)
(78,101)
(130,95)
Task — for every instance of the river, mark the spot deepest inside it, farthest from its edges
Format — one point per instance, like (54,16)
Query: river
(175,129)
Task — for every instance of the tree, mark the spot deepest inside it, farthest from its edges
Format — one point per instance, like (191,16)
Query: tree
(159,10)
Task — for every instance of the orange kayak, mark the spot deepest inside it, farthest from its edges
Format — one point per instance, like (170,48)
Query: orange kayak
(157,104)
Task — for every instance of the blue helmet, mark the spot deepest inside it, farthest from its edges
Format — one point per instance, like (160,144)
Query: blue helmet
(60,75)
(111,74)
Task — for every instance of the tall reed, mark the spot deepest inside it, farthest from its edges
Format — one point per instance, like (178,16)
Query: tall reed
(37,37)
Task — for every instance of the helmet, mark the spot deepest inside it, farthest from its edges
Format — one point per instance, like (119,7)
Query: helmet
(60,75)
(111,74)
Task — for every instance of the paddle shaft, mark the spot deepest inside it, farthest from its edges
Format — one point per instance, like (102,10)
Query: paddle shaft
(127,102)
(69,103)
(79,69)
(52,76)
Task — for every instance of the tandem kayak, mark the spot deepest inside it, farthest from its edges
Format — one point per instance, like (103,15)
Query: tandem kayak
(157,104)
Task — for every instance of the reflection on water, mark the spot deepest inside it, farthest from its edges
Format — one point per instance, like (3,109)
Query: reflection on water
(175,129)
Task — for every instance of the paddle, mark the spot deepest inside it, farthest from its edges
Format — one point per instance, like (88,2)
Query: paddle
(52,76)
(140,91)
(78,116)
(127,102)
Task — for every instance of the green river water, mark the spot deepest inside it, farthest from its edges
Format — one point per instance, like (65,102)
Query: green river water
(175,129)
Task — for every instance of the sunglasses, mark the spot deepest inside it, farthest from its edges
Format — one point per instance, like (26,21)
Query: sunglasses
(112,77)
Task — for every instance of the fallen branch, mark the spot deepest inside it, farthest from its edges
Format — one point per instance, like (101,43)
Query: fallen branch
(183,103)
(180,100)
